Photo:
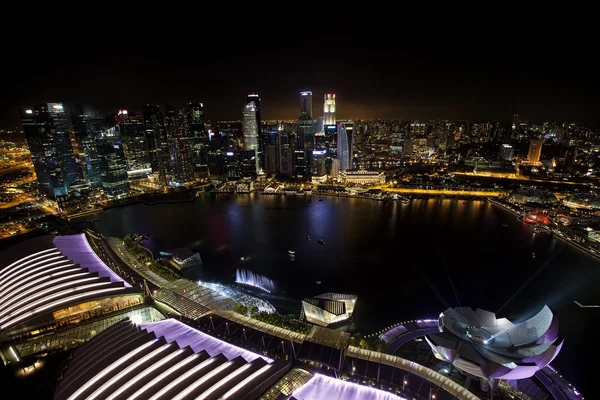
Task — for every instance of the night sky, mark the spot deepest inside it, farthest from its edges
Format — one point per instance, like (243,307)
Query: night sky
(417,68)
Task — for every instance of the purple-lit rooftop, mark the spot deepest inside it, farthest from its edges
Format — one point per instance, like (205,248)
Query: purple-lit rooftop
(77,249)
(175,331)
(166,360)
(324,387)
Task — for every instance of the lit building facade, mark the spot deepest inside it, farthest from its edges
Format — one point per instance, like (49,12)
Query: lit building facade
(506,152)
(47,134)
(262,138)
(133,133)
(306,105)
(251,129)
(362,177)
(112,168)
(329,109)
(53,286)
(286,153)
(181,162)
(345,145)
(196,130)
(156,141)
(535,151)
(87,127)
(328,308)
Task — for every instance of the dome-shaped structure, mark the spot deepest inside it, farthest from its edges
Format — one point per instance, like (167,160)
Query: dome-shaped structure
(588,201)
(482,345)
(533,195)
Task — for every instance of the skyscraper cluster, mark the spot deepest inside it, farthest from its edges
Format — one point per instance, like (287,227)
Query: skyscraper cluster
(308,149)
(111,151)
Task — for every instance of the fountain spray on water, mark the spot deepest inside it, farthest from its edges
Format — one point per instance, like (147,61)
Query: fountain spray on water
(249,278)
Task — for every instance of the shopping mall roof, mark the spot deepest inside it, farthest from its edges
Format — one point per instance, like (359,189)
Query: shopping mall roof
(42,275)
(164,360)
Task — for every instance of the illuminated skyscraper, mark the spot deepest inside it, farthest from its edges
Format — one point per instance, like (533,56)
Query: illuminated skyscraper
(535,151)
(195,124)
(156,140)
(286,153)
(111,162)
(47,134)
(263,139)
(88,126)
(345,144)
(180,168)
(250,130)
(329,109)
(306,109)
(135,144)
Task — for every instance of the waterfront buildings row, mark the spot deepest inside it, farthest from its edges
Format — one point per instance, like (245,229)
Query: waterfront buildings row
(109,151)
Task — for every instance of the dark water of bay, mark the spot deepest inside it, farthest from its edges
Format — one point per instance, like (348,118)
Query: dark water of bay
(403,261)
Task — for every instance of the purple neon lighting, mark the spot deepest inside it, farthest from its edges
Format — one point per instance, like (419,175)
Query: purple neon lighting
(174,330)
(324,387)
(77,249)
(393,333)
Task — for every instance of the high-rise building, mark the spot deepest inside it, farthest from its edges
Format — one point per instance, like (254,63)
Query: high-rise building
(272,159)
(262,140)
(195,126)
(301,166)
(329,109)
(320,127)
(157,141)
(506,152)
(113,168)
(318,167)
(305,131)
(306,106)
(251,129)
(535,151)
(88,126)
(345,145)
(135,146)
(286,153)
(181,162)
(335,168)
(47,134)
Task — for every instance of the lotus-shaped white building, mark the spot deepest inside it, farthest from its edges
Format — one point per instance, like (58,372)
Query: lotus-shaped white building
(478,343)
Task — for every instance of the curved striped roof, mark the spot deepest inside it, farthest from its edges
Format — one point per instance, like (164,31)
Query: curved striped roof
(127,361)
(48,273)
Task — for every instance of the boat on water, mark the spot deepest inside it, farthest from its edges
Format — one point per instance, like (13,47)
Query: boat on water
(318,282)
(532,254)
(307,237)
(291,252)
(321,241)
(505,225)
(320,199)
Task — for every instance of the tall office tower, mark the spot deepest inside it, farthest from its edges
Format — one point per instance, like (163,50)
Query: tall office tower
(286,153)
(535,151)
(506,152)
(262,137)
(135,146)
(345,144)
(305,131)
(305,128)
(251,130)
(195,126)
(47,134)
(112,165)
(301,165)
(329,109)
(87,126)
(318,168)
(180,170)
(306,109)
(156,139)
(335,168)
(272,159)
